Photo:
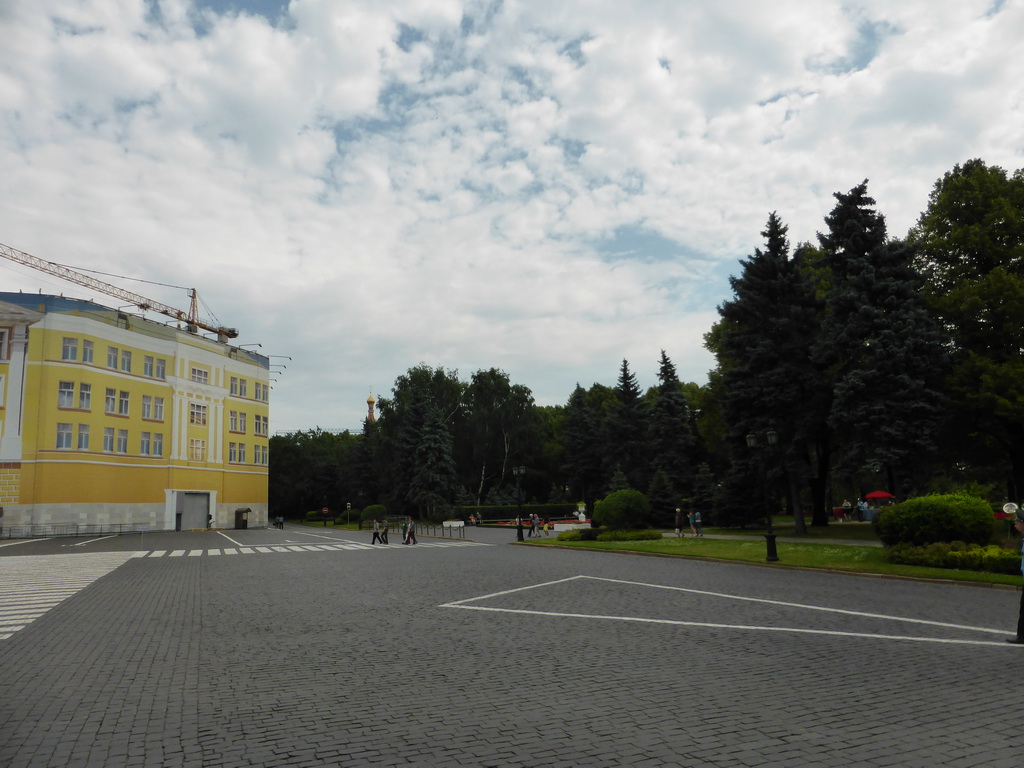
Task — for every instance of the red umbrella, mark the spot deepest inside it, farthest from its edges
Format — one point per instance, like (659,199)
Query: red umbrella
(878,495)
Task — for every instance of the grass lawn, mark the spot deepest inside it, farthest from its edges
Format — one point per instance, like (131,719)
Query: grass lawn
(834,557)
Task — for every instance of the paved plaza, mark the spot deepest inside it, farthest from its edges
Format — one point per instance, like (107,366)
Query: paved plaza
(309,647)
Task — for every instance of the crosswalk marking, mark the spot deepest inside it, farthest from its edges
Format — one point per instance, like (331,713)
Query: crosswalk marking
(31,585)
(28,587)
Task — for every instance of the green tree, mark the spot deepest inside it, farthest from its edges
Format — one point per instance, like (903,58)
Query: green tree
(582,465)
(626,430)
(498,417)
(880,346)
(433,484)
(766,379)
(971,252)
(670,430)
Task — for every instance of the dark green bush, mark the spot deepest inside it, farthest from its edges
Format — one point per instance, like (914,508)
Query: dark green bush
(648,534)
(956,555)
(579,534)
(623,510)
(942,518)
(373,512)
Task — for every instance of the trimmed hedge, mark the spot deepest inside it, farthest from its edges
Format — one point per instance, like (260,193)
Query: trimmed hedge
(508,511)
(939,518)
(623,510)
(599,534)
(958,555)
(373,512)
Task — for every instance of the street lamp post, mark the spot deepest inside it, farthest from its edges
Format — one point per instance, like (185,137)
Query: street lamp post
(518,473)
(754,444)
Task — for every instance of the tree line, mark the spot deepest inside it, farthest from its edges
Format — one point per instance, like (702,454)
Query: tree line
(876,362)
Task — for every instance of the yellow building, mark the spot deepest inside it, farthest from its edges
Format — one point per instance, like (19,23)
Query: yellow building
(115,422)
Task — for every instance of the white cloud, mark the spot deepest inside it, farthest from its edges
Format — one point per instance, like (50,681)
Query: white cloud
(365,186)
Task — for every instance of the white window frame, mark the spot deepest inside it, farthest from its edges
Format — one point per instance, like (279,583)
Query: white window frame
(196,449)
(197,414)
(87,351)
(108,439)
(65,394)
(147,366)
(112,357)
(126,360)
(123,403)
(110,401)
(158,409)
(85,397)
(122,441)
(200,376)
(83,437)
(69,349)
(64,433)
(144,442)
(147,406)
(158,444)
(161,368)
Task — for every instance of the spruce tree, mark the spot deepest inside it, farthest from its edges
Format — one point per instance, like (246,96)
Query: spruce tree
(626,430)
(671,438)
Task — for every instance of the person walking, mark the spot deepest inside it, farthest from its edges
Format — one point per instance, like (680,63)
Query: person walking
(698,524)
(679,522)
(410,532)
(1018,639)
(384,532)
(693,523)
(376,532)
(519,528)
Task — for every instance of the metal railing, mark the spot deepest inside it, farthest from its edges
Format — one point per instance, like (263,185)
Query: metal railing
(51,530)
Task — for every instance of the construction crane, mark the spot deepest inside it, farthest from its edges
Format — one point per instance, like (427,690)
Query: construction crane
(190,318)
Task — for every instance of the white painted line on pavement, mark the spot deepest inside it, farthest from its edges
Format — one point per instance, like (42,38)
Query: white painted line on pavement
(90,541)
(464,604)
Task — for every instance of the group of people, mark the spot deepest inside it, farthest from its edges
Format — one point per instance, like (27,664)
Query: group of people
(694,521)
(380,531)
(845,513)
(533,526)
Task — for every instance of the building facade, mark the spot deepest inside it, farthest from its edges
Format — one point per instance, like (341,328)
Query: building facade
(116,421)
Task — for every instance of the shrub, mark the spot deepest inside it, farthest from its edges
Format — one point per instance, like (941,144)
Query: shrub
(623,510)
(373,512)
(943,518)
(579,534)
(648,534)
(956,555)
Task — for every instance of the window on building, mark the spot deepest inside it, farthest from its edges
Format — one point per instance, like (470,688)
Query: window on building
(232,452)
(161,368)
(233,421)
(3,345)
(83,437)
(147,366)
(242,388)
(122,441)
(197,414)
(66,394)
(147,406)
(241,422)
(108,439)
(87,351)
(85,396)
(241,453)
(69,350)
(122,404)
(197,449)
(144,444)
(112,357)
(158,444)
(200,376)
(110,401)
(158,409)
(234,385)
(126,361)
(63,436)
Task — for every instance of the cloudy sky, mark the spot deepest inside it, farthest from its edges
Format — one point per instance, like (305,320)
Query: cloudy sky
(545,187)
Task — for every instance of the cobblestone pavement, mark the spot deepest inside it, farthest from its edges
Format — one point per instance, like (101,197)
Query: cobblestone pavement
(312,648)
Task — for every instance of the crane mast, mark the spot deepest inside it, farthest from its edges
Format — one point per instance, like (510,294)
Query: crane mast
(190,318)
